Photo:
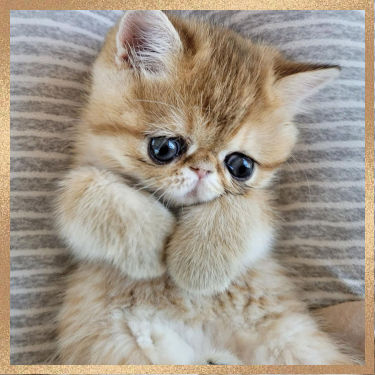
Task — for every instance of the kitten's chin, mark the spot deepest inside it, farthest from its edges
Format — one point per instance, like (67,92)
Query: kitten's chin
(197,195)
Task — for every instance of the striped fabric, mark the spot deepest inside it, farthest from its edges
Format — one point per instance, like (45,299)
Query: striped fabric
(321,188)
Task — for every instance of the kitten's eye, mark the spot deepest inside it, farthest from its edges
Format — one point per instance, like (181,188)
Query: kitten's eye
(163,150)
(239,165)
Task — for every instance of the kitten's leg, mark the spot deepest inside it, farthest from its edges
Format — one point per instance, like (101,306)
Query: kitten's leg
(291,339)
(214,242)
(103,219)
(162,344)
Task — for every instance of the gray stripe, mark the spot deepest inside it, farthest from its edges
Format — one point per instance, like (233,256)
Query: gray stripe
(35,300)
(321,252)
(23,321)
(322,174)
(17,224)
(33,242)
(52,71)
(23,164)
(332,286)
(339,271)
(47,91)
(33,184)
(321,194)
(31,358)
(41,125)
(344,133)
(68,17)
(35,337)
(325,232)
(44,107)
(49,144)
(39,262)
(34,281)
(333,114)
(54,33)
(331,154)
(329,214)
(55,51)
(313,32)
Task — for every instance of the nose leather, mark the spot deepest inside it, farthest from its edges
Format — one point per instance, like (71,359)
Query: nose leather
(200,172)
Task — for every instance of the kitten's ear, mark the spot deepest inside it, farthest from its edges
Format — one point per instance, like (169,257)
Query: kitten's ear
(146,41)
(297,81)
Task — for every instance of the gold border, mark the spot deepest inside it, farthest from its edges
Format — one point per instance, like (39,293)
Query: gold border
(367,5)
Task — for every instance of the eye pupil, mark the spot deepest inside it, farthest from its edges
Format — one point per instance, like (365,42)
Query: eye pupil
(239,166)
(163,150)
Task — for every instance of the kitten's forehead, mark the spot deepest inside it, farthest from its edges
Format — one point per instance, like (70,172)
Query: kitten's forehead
(217,95)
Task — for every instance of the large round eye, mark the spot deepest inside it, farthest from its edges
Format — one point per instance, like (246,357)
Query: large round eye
(239,165)
(163,150)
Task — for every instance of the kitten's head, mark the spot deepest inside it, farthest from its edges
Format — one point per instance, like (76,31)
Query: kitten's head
(191,111)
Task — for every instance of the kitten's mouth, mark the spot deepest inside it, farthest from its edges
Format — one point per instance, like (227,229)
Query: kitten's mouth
(193,193)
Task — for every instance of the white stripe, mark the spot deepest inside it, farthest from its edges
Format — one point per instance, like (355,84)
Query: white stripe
(331,124)
(37,133)
(96,16)
(294,165)
(27,312)
(42,99)
(330,145)
(351,64)
(274,26)
(42,271)
(53,42)
(324,262)
(40,154)
(302,223)
(337,104)
(38,252)
(321,205)
(327,184)
(31,215)
(31,175)
(322,242)
(29,291)
(40,116)
(329,42)
(31,193)
(31,348)
(351,82)
(48,60)
(50,23)
(49,81)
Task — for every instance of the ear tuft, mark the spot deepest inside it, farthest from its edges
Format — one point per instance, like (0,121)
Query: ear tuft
(297,81)
(146,41)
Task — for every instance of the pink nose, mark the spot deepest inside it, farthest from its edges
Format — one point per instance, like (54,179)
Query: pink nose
(200,172)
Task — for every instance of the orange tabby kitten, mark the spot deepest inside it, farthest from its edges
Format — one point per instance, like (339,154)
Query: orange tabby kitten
(166,206)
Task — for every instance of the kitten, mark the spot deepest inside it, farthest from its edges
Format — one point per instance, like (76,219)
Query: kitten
(166,207)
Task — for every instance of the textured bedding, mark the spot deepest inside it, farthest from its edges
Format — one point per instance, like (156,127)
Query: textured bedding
(320,189)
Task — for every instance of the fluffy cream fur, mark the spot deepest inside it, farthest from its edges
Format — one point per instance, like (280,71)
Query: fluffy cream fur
(175,268)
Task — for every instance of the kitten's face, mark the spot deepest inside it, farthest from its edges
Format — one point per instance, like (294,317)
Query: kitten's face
(191,112)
